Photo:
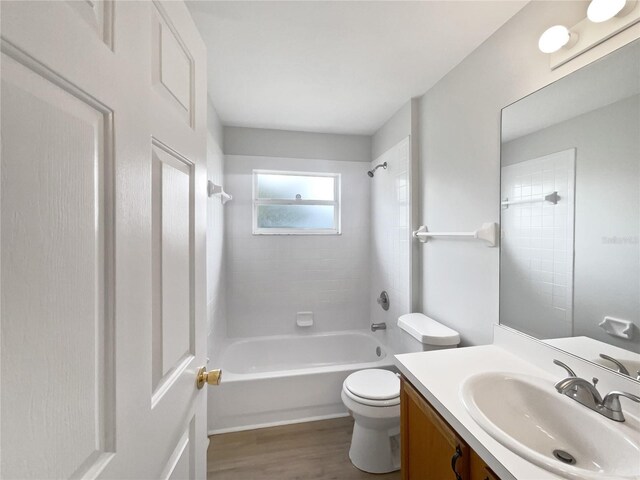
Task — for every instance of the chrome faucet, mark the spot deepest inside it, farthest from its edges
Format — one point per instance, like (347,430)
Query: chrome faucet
(581,390)
(586,393)
(378,326)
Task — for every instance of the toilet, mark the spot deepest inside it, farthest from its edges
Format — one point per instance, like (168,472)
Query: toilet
(373,397)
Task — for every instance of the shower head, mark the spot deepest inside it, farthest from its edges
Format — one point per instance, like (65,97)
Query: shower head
(383,165)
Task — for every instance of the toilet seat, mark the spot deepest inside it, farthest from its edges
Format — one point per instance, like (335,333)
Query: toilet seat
(374,387)
(372,403)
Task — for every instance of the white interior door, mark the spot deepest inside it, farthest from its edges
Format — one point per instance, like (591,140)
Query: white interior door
(103,200)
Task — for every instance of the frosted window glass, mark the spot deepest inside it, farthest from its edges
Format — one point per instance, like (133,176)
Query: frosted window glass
(296,216)
(288,186)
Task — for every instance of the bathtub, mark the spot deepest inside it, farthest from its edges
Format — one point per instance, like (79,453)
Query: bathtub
(284,379)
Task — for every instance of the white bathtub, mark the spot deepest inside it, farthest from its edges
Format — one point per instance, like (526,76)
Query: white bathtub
(276,380)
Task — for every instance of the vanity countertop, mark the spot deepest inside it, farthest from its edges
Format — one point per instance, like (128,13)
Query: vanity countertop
(438,375)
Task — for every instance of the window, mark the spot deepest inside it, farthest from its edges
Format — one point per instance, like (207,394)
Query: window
(296,203)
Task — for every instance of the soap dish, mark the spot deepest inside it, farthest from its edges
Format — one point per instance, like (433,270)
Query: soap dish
(304,319)
(617,327)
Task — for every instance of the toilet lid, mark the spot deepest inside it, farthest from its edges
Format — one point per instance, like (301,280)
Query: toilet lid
(375,384)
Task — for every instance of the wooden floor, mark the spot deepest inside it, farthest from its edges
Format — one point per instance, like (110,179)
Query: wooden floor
(314,450)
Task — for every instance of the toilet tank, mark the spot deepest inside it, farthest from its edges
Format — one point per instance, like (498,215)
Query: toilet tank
(420,333)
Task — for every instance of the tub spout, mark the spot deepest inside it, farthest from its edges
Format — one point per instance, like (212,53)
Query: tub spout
(378,326)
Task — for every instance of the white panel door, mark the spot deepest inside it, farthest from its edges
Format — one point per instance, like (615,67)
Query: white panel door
(102,205)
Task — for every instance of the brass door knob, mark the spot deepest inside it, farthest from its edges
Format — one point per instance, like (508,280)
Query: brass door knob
(212,377)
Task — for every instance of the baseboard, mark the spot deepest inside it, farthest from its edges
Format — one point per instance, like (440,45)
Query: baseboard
(276,424)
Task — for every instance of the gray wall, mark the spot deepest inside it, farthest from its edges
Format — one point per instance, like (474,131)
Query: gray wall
(460,159)
(214,127)
(287,144)
(394,130)
(607,278)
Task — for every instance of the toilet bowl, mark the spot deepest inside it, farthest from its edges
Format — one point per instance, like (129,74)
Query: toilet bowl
(373,398)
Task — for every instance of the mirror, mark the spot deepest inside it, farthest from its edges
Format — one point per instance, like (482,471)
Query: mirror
(570,213)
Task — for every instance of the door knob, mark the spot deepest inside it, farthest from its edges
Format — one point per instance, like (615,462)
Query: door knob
(212,377)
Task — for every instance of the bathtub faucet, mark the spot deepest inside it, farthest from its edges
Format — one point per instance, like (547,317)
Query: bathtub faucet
(378,326)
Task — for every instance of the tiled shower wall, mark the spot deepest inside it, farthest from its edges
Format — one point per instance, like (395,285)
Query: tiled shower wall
(216,325)
(536,269)
(271,277)
(390,240)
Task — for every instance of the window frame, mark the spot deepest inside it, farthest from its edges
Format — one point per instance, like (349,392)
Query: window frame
(336,203)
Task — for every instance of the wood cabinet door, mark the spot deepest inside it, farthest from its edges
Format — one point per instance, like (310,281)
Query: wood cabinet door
(431,449)
(479,470)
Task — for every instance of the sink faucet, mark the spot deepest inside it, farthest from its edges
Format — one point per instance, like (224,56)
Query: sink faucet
(581,390)
(586,393)
(378,326)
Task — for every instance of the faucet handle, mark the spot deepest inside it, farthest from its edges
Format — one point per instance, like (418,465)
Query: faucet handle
(612,402)
(613,397)
(566,367)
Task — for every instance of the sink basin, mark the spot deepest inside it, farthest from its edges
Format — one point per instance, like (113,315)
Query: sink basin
(528,416)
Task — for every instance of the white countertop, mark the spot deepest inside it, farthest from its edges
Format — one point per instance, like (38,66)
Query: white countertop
(438,375)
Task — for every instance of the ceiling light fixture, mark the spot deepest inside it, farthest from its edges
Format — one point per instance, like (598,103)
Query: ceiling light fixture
(603,10)
(556,37)
(605,19)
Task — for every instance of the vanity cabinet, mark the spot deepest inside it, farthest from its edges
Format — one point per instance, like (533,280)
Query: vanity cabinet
(479,470)
(431,449)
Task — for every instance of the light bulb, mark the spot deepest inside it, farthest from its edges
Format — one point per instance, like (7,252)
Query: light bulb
(554,38)
(603,10)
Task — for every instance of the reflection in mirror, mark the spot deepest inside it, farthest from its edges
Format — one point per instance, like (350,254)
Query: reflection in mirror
(570,213)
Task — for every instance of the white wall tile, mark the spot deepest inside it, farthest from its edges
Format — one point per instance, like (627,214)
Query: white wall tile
(537,268)
(391,269)
(215,240)
(271,278)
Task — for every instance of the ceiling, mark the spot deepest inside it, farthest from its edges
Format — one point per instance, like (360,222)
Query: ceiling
(334,66)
